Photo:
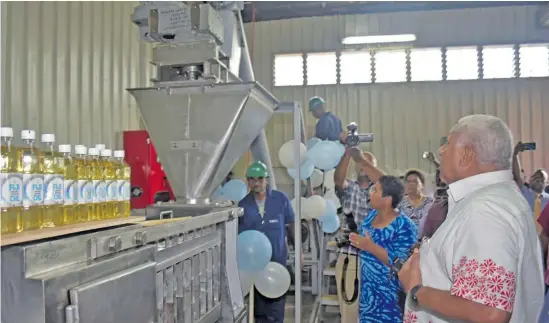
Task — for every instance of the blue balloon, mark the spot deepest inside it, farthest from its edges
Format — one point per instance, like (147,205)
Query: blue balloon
(305,171)
(218,193)
(330,224)
(325,155)
(330,211)
(341,147)
(311,142)
(234,190)
(253,251)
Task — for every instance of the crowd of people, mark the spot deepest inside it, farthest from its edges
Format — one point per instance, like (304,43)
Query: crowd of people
(473,252)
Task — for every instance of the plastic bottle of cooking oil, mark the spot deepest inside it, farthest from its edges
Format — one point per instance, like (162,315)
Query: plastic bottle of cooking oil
(53,184)
(33,183)
(101,188)
(111,204)
(83,210)
(100,147)
(70,184)
(98,181)
(12,184)
(123,175)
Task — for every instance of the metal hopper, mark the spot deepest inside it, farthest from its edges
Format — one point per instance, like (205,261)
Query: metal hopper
(200,131)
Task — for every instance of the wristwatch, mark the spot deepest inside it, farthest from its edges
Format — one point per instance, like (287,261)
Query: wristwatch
(413,293)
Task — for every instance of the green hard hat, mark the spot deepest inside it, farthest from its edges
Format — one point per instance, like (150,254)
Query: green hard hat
(315,103)
(257,169)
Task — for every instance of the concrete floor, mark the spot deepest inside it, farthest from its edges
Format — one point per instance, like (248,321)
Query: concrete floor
(307,307)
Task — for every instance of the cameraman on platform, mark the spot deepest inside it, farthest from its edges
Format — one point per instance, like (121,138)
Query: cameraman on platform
(355,202)
(328,126)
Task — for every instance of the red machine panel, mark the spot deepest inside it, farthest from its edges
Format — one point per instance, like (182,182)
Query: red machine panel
(149,183)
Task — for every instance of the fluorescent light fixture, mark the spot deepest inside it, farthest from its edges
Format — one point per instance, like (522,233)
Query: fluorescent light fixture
(380,39)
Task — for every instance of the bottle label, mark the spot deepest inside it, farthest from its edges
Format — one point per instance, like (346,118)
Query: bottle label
(12,189)
(123,190)
(100,191)
(90,192)
(112,191)
(85,188)
(71,192)
(33,189)
(53,189)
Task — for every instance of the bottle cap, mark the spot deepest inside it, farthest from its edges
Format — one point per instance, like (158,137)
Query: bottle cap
(28,135)
(80,149)
(65,148)
(106,153)
(100,147)
(48,137)
(119,154)
(93,152)
(6,132)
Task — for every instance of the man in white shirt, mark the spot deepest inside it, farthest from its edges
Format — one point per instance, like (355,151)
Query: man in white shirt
(484,262)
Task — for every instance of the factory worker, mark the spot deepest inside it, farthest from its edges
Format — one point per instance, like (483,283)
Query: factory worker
(268,211)
(328,126)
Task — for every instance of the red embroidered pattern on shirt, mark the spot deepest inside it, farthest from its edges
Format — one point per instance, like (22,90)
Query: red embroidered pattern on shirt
(411,317)
(484,282)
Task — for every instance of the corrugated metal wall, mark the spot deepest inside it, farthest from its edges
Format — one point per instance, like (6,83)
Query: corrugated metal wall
(65,68)
(410,118)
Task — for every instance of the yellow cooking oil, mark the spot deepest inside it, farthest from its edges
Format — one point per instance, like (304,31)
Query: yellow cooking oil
(54,180)
(84,208)
(70,184)
(98,181)
(33,182)
(111,200)
(123,175)
(12,184)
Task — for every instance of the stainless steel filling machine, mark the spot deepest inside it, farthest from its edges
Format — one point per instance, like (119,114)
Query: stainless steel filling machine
(204,111)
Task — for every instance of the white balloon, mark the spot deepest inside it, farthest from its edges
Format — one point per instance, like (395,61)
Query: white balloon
(303,207)
(286,154)
(317,178)
(246,281)
(329,180)
(315,206)
(331,195)
(273,281)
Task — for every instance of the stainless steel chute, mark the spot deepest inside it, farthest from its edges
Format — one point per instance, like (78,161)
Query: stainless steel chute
(200,131)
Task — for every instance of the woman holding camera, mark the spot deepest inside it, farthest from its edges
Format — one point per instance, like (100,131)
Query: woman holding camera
(386,234)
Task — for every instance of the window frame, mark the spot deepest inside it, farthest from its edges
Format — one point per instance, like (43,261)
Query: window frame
(443,49)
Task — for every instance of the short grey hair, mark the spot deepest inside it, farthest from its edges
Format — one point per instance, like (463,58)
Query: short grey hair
(490,137)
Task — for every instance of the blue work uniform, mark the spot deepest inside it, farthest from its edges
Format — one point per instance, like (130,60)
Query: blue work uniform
(277,214)
(328,127)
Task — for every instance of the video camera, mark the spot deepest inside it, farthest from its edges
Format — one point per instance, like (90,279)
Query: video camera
(354,138)
(351,228)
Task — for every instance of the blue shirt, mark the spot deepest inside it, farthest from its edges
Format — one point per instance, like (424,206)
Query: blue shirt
(277,214)
(328,127)
(378,301)
(530,196)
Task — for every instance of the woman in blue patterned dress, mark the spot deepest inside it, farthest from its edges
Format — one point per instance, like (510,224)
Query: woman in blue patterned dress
(385,235)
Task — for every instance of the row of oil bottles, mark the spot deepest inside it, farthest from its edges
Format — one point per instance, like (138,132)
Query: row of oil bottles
(49,188)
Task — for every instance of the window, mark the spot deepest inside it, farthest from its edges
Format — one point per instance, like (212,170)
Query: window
(390,66)
(461,63)
(355,67)
(426,64)
(288,70)
(321,68)
(534,60)
(498,62)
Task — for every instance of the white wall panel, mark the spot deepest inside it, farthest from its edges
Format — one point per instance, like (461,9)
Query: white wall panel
(66,67)
(409,118)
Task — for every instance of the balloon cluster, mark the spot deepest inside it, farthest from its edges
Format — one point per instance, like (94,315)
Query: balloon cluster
(254,252)
(318,160)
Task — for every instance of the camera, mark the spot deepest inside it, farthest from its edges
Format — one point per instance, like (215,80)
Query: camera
(351,228)
(354,138)
(398,263)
